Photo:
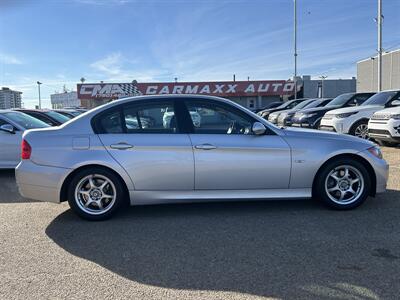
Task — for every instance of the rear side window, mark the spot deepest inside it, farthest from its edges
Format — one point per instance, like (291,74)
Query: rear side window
(150,118)
(156,117)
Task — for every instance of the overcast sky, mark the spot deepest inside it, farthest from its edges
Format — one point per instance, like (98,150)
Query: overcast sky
(60,41)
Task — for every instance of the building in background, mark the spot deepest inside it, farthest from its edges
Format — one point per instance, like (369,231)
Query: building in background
(326,88)
(65,99)
(9,98)
(367,72)
(250,94)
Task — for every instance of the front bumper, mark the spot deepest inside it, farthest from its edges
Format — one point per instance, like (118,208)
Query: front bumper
(385,130)
(334,124)
(38,182)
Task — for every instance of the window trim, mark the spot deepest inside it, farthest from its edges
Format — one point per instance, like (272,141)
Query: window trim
(189,123)
(97,128)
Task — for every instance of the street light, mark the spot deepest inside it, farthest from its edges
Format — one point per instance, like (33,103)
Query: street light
(295,49)
(40,101)
(323,77)
(379,21)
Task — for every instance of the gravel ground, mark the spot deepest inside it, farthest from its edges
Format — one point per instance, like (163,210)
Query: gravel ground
(275,250)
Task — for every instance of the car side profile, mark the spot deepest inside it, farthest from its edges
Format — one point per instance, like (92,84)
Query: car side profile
(12,126)
(354,120)
(311,117)
(97,162)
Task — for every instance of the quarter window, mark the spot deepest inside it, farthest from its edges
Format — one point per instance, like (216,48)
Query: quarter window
(209,118)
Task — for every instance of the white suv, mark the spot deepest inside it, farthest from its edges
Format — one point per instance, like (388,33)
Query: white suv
(384,126)
(354,120)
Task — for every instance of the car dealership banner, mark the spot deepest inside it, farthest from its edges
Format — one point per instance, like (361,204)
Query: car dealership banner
(222,88)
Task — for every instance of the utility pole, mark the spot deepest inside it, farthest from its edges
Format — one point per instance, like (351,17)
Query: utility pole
(295,49)
(379,21)
(40,101)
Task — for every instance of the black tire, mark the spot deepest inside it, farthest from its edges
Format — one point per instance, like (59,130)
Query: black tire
(117,189)
(320,192)
(353,128)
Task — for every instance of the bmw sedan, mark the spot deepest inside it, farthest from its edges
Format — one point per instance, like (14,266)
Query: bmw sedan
(98,163)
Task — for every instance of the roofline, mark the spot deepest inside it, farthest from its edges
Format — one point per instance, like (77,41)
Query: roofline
(376,56)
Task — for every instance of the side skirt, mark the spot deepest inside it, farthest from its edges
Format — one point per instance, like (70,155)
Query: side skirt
(161,197)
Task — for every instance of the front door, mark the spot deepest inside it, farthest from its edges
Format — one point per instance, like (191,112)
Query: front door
(144,138)
(228,156)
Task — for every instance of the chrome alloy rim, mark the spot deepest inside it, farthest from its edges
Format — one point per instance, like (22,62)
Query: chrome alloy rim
(344,184)
(362,131)
(95,194)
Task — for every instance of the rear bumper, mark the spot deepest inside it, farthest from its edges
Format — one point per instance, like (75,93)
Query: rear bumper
(38,182)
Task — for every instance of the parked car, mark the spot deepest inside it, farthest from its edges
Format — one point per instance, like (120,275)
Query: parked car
(354,120)
(311,118)
(12,125)
(97,165)
(48,116)
(285,105)
(285,116)
(269,105)
(384,126)
(70,113)
(273,117)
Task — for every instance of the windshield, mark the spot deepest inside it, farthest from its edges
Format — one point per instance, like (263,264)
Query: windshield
(380,98)
(25,120)
(303,104)
(58,117)
(340,100)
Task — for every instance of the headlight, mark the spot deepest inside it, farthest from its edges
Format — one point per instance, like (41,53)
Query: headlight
(345,115)
(375,151)
(396,117)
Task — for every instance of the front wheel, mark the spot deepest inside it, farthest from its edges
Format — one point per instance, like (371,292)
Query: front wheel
(343,184)
(360,129)
(95,194)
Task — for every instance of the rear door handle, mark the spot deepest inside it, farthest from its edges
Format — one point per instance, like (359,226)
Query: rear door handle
(205,147)
(121,146)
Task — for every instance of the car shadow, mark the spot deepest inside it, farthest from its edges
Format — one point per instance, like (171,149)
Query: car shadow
(284,249)
(8,188)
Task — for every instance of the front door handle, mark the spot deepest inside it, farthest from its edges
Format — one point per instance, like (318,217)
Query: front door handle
(121,146)
(205,147)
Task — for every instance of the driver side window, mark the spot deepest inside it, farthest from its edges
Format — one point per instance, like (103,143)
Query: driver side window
(208,118)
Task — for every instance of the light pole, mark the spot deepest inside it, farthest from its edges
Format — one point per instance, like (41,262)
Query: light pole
(323,77)
(295,49)
(379,21)
(40,101)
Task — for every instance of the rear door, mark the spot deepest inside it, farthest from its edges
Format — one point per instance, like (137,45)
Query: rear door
(144,137)
(228,156)
(10,144)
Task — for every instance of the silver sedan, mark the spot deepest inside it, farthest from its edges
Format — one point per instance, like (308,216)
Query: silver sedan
(12,126)
(97,162)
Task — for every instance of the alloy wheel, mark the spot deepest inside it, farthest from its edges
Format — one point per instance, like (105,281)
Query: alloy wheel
(95,194)
(362,131)
(344,184)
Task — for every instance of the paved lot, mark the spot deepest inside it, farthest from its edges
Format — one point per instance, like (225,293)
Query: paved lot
(280,250)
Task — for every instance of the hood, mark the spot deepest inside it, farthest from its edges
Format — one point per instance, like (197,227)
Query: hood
(391,110)
(311,133)
(356,109)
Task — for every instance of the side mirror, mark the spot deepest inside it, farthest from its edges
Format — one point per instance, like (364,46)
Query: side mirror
(258,128)
(396,103)
(7,128)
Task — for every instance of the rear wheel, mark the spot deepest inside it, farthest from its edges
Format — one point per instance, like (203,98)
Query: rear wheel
(343,184)
(95,194)
(360,129)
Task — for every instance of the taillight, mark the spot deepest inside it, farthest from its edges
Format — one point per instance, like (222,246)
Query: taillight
(26,150)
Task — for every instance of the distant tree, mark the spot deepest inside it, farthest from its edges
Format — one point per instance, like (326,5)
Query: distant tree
(83,79)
